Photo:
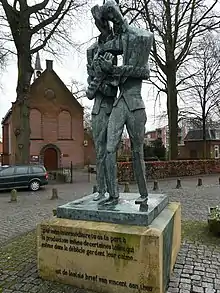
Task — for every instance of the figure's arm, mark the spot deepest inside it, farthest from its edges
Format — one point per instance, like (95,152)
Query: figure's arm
(90,71)
(124,70)
(131,71)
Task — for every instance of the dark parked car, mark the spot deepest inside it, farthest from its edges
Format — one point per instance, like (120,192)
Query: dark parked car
(23,176)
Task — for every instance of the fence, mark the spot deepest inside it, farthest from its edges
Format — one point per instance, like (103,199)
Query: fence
(166,169)
(71,175)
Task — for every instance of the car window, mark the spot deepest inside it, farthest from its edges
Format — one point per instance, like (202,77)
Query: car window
(37,169)
(21,170)
(7,171)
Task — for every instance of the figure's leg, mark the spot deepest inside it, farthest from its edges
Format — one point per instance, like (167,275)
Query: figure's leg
(99,130)
(136,129)
(114,133)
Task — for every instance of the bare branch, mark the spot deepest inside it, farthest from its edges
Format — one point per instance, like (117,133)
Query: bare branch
(37,7)
(50,19)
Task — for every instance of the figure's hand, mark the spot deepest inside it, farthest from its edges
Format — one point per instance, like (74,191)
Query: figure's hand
(92,88)
(90,71)
(97,67)
(106,62)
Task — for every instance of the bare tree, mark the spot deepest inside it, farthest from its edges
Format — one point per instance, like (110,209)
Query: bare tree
(201,91)
(33,28)
(176,25)
(78,90)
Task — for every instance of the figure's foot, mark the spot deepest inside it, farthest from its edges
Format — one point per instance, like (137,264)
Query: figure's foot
(141,200)
(143,207)
(110,201)
(99,196)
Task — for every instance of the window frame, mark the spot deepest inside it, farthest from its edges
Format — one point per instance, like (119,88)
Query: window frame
(4,169)
(16,173)
(40,167)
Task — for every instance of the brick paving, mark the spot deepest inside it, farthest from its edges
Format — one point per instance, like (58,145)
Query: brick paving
(197,268)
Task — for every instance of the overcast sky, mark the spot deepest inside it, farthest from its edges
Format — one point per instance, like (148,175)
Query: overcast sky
(73,66)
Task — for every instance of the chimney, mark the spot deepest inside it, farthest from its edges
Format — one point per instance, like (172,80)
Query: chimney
(49,65)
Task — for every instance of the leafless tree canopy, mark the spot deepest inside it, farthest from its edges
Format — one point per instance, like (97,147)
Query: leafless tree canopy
(201,91)
(49,23)
(177,25)
(78,89)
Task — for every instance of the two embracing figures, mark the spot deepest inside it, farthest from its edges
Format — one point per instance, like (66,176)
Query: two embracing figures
(116,91)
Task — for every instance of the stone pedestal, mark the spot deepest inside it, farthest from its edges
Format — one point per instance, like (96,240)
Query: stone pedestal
(125,212)
(110,258)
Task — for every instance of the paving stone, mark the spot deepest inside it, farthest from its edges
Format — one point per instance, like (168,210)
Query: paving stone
(208,290)
(196,277)
(188,271)
(184,280)
(209,270)
(196,289)
(217,286)
(206,279)
(210,275)
(188,267)
(208,285)
(187,276)
(199,268)
(200,273)
(173,290)
(185,286)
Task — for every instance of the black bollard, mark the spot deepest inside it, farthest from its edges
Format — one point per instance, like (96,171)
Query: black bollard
(199,181)
(13,195)
(54,194)
(54,212)
(156,186)
(178,184)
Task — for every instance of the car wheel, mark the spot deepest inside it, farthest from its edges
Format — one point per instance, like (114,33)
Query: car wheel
(34,185)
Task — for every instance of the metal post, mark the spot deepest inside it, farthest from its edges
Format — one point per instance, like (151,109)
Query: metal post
(71,172)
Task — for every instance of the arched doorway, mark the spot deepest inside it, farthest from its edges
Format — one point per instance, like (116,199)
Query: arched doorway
(51,156)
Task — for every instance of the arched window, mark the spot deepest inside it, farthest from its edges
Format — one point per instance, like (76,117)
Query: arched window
(35,124)
(64,125)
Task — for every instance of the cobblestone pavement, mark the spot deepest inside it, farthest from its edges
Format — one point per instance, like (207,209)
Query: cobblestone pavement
(197,268)
(33,207)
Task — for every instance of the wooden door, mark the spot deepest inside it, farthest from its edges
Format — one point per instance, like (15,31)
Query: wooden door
(51,159)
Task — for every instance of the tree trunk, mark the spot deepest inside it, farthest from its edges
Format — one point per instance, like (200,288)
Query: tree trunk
(172,110)
(204,135)
(20,110)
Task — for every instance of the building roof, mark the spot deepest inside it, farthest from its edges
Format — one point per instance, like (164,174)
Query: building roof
(197,134)
(7,115)
(59,80)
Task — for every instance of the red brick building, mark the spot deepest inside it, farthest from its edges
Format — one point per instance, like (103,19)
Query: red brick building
(56,122)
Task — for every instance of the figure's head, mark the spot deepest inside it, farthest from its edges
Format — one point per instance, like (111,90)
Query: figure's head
(111,12)
(101,23)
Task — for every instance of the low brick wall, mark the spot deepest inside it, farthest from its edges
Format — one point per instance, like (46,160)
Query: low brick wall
(165,169)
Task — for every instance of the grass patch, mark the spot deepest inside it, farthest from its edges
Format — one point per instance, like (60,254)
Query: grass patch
(198,232)
(19,251)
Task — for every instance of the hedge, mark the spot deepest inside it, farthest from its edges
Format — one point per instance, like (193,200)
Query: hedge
(165,169)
